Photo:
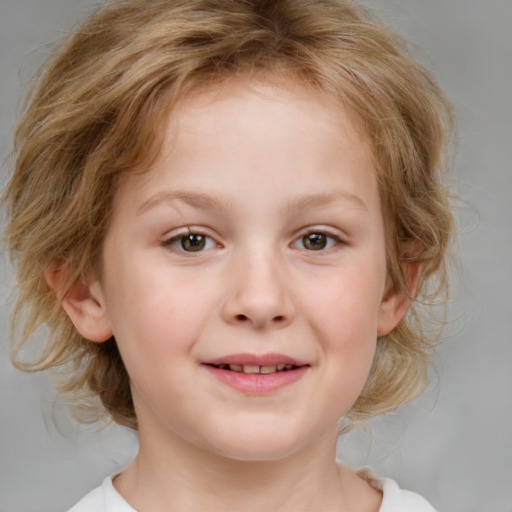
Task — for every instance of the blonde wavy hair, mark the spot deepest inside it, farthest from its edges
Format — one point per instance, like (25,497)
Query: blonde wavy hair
(97,110)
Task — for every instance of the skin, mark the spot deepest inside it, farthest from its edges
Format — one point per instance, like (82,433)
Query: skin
(255,169)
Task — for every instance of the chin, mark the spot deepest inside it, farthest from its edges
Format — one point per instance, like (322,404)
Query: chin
(258,453)
(257,444)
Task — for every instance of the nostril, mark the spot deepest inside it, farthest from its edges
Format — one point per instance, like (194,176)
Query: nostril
(278,318)
(242,318)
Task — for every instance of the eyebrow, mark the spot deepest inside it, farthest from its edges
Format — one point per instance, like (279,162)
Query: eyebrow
(314,201)
(193,199)
(215,202)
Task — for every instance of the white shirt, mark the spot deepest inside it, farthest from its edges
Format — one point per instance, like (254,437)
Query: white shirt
(106,499)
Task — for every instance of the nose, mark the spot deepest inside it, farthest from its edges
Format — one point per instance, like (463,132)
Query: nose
(259,294)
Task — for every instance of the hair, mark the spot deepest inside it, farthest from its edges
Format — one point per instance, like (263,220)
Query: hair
(97,110)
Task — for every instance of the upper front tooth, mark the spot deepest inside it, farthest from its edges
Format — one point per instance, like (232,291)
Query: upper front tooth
(236,367)
(280,367)
(251,368)
(268,369)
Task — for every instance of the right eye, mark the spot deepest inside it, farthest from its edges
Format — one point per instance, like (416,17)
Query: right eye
(191,242)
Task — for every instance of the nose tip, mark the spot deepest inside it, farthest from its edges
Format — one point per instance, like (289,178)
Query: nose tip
(277,320)
(259,299)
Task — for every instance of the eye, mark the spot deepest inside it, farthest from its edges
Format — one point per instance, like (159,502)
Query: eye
(317,241)
(191,242)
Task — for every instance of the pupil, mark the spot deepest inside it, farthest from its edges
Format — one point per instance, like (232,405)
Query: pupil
(315,241)
(193,243)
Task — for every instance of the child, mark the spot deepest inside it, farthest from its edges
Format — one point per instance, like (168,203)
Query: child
(223,211)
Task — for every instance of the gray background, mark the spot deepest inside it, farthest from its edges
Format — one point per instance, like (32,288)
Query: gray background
(453,445)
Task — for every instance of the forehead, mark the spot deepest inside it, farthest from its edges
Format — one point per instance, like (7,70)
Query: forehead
(236,131)
(281,105)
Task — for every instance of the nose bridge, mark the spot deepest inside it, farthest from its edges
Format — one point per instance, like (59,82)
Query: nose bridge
(260,295)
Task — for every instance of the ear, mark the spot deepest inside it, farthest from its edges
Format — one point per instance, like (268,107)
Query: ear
(395,303)
(83,302)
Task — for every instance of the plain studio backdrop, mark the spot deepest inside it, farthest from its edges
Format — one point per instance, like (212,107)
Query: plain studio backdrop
(453,445)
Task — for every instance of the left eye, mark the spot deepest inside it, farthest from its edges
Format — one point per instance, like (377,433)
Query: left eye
(192,242)
(316,241)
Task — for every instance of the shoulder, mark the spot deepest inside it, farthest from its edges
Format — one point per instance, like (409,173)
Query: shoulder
(398,500)
(103,499)
(395,499)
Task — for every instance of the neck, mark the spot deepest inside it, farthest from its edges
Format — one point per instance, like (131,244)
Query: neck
(186,477)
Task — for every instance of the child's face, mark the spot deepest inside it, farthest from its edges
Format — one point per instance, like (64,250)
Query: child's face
(255,240)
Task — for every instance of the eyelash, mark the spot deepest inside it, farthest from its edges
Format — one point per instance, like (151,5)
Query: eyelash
(329,236)
(181,238)
(331,239)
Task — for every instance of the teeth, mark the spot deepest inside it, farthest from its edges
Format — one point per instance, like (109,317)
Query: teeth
(253,368)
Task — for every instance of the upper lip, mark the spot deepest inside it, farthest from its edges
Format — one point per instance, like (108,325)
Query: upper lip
(255,359)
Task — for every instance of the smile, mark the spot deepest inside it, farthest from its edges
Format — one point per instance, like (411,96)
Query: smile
(257,375)
(254,368)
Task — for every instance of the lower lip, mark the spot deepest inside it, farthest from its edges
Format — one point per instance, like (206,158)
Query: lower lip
(258,383)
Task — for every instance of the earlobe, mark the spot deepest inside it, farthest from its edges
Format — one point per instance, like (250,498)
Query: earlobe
(83,303)
(395,303)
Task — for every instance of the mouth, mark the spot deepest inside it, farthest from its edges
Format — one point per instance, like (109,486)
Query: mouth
(257,375)
(254,368)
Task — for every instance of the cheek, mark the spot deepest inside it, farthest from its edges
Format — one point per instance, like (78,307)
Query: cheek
(346,334)
(156,315)
(345,311)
